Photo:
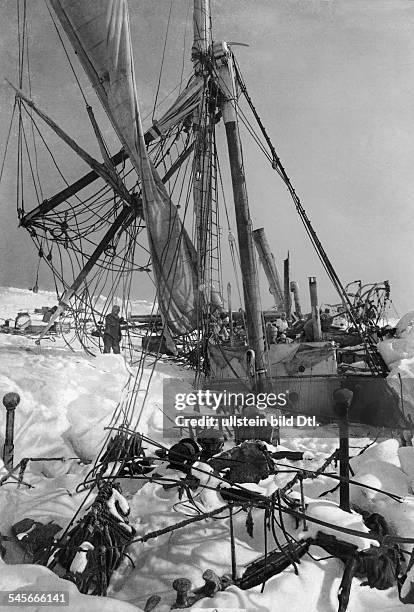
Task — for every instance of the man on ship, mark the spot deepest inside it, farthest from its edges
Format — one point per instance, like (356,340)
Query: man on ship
(112,334)
(281,323)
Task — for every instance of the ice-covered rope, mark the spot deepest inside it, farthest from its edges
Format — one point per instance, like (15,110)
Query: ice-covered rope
(260,501)
(181,524)
(304,473)
(263,502)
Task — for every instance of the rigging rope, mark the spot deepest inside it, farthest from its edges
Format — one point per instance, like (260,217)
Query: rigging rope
(67,54)
(375,360)
(162,59)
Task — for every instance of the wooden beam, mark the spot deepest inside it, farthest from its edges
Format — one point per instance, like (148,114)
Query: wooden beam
(48,205)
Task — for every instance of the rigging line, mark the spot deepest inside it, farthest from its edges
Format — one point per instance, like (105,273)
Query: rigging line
(162,60)
(21,38)
(91,211)
(331,272)
(30,112)
(20,30)
(136,388)
(250,129)
(164,326)
(19,45)
(184,42)
(7,140)
(233,249)
(376,364)
(66,53)
(30,164)
(19,177)
(49,151)
(244,119)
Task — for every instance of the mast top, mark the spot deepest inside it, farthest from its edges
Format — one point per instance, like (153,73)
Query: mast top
(202,34)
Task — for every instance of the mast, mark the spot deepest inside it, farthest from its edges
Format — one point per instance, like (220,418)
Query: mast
(203,125)
(202,34)
(268,262)
(224,64)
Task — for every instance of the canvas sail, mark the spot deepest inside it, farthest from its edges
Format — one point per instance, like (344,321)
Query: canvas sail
(100,34)
(186,103)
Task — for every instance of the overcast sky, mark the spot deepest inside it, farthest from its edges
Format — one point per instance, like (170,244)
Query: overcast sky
(333,81)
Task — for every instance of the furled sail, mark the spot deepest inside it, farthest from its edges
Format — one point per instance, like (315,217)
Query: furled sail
(184,106)
(100,34)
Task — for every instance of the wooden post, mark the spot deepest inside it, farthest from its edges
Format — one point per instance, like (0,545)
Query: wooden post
(10,401)
(344,462)
(232,545)
(269,266)
(313,290)
(342,402)
(294,288)
(286,286)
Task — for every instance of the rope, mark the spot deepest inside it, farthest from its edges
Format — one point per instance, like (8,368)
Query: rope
(7,140)
(375,360)
(67,55)
(162,60)
(170,528)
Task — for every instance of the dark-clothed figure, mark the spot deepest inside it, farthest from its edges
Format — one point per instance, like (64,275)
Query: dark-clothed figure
(326,320)
(308,332)
(112,334)
(48,314)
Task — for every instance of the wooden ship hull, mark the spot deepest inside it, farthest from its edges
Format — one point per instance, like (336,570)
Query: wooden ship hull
(309,388)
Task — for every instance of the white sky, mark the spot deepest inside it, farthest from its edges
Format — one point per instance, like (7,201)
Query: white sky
(333,81)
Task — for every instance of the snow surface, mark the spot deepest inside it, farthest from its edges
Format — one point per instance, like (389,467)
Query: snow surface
(398,354)
(68,398)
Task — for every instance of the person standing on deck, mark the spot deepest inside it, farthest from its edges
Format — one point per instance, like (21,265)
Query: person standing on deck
(271,333)
(326,322)
(112,334)
(281,323)
(308,331)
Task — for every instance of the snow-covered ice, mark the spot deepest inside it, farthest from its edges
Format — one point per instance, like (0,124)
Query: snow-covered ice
(67,400)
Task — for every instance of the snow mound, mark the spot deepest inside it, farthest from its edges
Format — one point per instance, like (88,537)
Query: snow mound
(406,455)
(381,475)
(38,578)
(330,512)
(387,451)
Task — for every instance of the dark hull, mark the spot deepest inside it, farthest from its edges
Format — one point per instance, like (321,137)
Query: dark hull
(374,402)
(307,374)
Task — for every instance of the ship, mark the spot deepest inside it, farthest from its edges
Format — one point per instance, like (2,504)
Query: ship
(131,214)
(153,207)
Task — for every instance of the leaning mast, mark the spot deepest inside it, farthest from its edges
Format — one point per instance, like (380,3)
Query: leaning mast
(243,220)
